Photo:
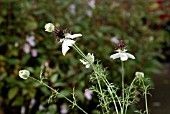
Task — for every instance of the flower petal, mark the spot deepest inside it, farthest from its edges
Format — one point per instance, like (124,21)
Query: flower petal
(67,35)
(83,61)
(65,45)
(65,48)
(88,66)
(123,57)
(130,56)
(90,57)
(68,42)
(115,56)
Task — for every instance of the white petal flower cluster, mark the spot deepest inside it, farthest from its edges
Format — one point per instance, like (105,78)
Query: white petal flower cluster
(68,41)
(122,54)
(90,57)
(24,74)
(49,27)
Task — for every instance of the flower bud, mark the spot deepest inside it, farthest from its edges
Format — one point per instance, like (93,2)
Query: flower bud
(140,74)
(49,27)
(24,74)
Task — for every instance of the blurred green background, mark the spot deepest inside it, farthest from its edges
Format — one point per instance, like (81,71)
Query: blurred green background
(143,25)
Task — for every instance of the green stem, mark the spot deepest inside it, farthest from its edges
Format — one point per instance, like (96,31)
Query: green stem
(79,51)
(123,94)
(146,102)
(41,82)
(127,98)
(104,80)
(105,104)
(98,81)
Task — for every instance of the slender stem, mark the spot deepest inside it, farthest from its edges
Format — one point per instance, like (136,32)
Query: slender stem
(104,80)
(113,100)
(107,84)
(102,93)
(127,97)
(41,82)
(146,101)
(123,94)
(79,51)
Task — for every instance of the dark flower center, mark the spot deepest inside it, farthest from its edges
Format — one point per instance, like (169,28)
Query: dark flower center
(121,45)
(59,32)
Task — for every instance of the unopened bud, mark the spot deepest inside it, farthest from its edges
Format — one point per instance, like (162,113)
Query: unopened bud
(24,74)
(49,27)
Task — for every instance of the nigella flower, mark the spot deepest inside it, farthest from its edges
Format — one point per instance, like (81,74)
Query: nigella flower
(65,38)
(68,41)
(90,58)
(122,54)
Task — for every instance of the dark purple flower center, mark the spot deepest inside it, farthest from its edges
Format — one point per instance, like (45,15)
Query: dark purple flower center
(121,45)
(59,32)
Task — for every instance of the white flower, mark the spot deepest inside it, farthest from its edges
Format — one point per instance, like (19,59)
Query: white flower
(90,57)
(49,27)
(140,74)
(24,74)
(67,42)
(122,55)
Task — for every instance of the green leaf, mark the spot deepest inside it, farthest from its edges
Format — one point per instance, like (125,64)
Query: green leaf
(13,61)
(18,101)
(54,78)
(65,93)
(13,92)
(32,92)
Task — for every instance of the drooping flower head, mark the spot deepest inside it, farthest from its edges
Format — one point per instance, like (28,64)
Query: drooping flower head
(66,38)
(122,54)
